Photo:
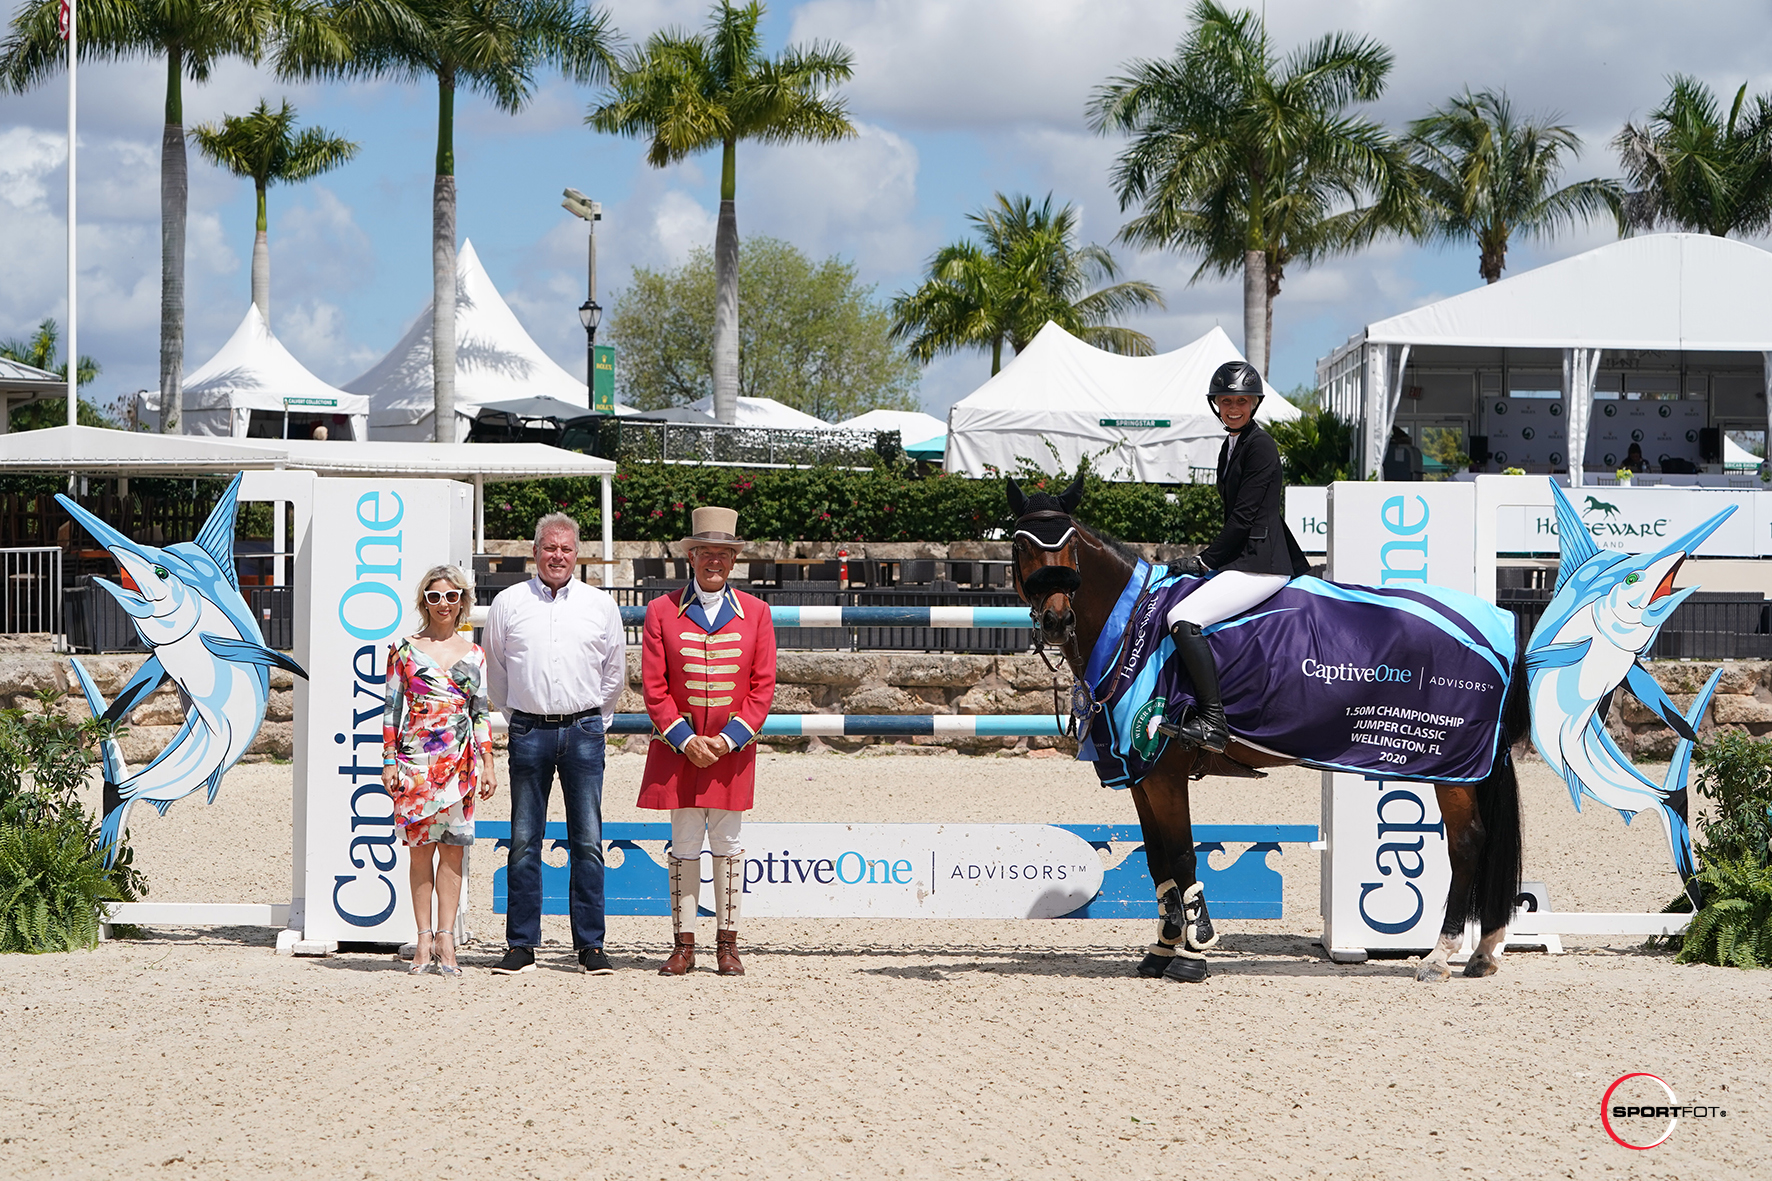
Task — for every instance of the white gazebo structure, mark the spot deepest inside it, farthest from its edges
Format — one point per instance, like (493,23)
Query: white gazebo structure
(254,387)
(1668,333)
(21,383)
(90,451)
(1061,395)
(495,361)
(767,412)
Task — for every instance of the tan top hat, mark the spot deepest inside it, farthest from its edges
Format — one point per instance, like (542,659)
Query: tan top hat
(713,526)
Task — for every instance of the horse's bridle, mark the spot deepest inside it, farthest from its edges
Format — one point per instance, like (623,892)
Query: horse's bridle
(1048,580)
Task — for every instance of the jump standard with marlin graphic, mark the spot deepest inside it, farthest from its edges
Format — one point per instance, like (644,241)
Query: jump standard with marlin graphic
(185,603)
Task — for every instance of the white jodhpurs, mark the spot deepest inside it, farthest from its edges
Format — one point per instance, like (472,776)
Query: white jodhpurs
(720,825)
(1226,593)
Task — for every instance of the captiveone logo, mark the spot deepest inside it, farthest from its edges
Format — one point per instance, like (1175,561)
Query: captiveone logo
(1638,1125)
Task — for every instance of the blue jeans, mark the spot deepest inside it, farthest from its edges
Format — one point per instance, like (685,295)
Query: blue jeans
(537,751)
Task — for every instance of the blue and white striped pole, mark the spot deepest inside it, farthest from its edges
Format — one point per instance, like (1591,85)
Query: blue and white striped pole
(789,616)
(882,725)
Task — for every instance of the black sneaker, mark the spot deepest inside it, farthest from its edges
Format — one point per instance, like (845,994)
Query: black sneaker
(593,962)
(517,959)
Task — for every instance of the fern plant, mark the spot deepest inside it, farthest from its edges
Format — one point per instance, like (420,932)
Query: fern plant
(1734,926)
(53,880)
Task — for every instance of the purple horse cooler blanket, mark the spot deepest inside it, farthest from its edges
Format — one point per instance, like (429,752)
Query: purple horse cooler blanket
(1383,682)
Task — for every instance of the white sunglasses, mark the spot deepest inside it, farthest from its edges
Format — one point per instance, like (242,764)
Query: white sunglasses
(449,596)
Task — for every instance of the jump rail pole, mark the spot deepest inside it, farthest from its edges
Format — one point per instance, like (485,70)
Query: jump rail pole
(786,616)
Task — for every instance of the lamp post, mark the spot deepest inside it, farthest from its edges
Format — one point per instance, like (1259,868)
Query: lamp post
(589,312)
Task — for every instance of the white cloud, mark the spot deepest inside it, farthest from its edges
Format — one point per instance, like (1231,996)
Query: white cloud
(679,224)
(855,197)
(317,334)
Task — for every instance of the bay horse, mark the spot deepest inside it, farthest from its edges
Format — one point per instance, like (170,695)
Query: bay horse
(1071,577)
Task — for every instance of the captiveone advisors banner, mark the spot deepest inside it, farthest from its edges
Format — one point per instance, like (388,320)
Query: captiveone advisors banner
(372,541)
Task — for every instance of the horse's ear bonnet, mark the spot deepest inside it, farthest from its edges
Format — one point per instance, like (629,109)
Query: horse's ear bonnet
(1018,501)
(1069,498)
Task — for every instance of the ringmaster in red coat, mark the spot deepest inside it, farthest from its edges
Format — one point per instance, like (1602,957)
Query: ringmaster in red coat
(707,664)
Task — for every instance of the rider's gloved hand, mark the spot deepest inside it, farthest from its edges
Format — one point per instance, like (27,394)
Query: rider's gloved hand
(1192,566)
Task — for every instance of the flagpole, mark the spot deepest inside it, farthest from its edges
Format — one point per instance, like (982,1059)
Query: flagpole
(73,300)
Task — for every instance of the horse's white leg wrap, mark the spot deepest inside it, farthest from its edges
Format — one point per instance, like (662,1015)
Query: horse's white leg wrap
(1169,927)
(1435,967)
(1193,908)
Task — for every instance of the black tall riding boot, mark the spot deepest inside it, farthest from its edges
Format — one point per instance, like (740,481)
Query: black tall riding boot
(1204,727)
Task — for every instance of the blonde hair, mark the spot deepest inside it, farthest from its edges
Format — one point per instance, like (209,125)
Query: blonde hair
(456,577)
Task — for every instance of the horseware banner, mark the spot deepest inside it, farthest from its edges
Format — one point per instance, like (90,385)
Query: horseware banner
(1388,682)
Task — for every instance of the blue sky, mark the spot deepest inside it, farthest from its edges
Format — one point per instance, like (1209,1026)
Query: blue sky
(954,101)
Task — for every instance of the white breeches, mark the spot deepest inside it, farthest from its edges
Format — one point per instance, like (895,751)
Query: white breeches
(1226,593)
(720,825)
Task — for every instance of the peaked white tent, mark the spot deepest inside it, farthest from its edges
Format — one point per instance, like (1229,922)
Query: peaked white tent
(767,412)
(254,372)
(913,426)
(1148,414)
(495,361)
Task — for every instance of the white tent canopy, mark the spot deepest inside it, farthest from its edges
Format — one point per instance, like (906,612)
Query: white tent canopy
(253,371)
(767,412)
(21,383)
(913,426)
(1679,293)
(1147,414)
(495,361)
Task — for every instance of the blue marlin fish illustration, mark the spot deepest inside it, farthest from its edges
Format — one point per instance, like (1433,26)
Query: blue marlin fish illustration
(1606,612)
(186,605)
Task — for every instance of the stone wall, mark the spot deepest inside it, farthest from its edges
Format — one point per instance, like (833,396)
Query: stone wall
(878,683)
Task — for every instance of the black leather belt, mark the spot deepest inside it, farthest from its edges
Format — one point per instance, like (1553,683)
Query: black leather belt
(551,719)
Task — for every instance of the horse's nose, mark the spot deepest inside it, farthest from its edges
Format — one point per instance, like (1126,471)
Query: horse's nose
(1057,624)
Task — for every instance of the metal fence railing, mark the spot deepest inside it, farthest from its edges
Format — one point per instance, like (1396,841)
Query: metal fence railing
(1711,625)
(30,590)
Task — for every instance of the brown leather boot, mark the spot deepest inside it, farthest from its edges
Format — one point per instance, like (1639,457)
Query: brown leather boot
(682,959)
(726,961)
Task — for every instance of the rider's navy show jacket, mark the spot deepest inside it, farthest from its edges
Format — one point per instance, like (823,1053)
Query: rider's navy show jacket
(1255,537)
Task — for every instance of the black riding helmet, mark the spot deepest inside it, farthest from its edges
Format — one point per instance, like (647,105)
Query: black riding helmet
(1234,377)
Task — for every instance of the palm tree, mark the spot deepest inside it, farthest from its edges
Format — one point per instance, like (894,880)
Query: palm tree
(192,35)
(1483,176)
(490,47)
(1692,170)
(1251,162)
(1028,270)
(263,147)
(688,92)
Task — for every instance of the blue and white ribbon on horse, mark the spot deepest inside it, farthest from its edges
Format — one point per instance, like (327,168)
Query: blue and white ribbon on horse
(1387,682)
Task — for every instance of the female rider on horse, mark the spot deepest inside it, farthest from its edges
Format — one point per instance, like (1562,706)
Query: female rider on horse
(1246,563)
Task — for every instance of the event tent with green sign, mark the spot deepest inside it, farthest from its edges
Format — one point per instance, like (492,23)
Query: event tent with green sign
(1136,418)
(254,388)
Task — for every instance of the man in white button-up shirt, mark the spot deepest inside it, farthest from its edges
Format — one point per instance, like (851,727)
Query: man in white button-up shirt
(556,660)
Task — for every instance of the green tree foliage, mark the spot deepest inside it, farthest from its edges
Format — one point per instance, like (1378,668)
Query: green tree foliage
(1485,175)
(688,92)
(653,502)
(1251,162)
(1736,776)
(1027,269)
(490,47)
(813,336)
(1689,168)
(52,872)
(192,36)
(1316,447)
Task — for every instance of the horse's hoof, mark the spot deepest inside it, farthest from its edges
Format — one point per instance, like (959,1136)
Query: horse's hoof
(1153,965)
(1186,969)
(1480,966)
(1433,972)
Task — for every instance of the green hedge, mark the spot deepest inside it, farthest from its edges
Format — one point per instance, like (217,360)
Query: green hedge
(653,503)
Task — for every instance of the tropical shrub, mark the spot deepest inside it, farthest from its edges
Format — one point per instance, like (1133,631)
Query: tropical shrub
(1316,448)
(653,502)
(1734,925)
(53,876)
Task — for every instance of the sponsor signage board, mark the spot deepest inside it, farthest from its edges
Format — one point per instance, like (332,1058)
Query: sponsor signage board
(1663,429)
(1307,515)
(1136,424)
(603,379)
(1641,520)
(1385,871)
(310,401)
(974,871)
(377,539)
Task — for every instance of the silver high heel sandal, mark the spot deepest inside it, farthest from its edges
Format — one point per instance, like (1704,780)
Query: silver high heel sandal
(452,971)
(424,969)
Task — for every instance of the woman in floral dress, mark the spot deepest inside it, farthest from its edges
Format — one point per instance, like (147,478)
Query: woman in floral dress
(437,756)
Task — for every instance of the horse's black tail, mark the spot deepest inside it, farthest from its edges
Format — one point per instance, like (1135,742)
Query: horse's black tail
(1498,807)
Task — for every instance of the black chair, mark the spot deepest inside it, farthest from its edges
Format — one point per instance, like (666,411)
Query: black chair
(648,568)
(761,572)
(823,572)
(920,572)
(961,572)
(516,565)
